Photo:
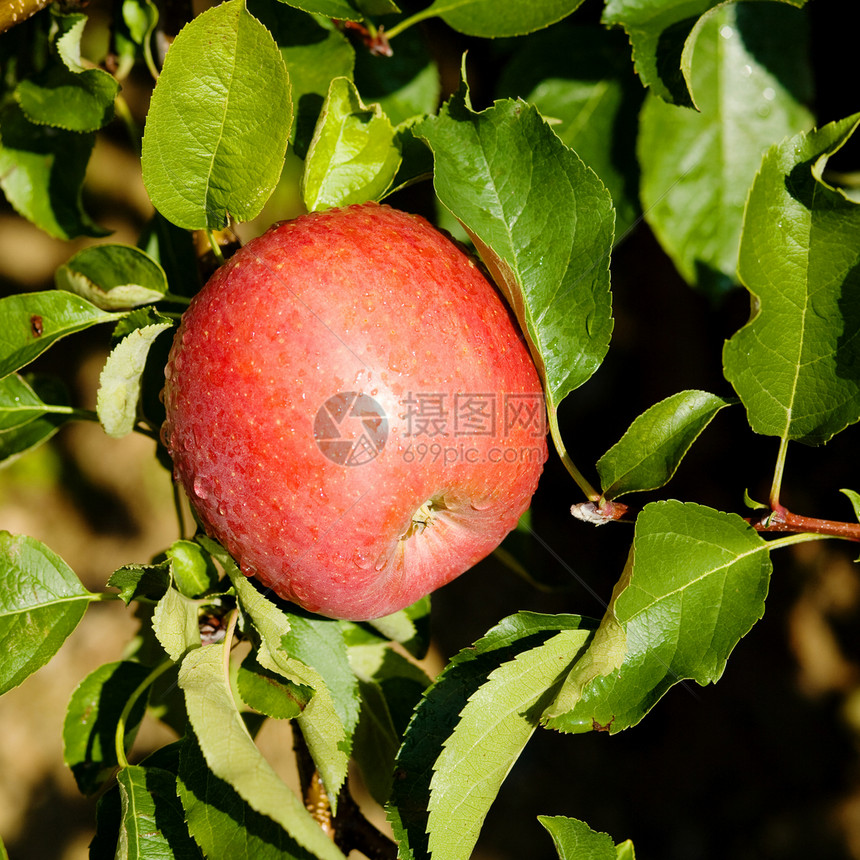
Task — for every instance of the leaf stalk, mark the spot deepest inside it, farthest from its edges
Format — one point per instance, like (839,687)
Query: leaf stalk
(119,737)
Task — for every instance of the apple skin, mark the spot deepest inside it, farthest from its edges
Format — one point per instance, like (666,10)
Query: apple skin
(365,300)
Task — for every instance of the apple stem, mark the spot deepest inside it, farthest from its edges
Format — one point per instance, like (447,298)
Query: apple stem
(590,493)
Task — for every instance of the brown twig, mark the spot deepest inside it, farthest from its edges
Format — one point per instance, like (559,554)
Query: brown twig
(349,829)
(781,520)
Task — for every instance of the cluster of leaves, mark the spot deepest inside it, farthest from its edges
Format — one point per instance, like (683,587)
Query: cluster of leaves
(719,158)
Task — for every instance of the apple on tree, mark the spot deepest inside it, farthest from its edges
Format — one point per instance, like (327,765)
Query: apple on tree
(353,412)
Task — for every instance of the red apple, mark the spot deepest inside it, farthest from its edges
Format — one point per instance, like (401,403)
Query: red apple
(353,412)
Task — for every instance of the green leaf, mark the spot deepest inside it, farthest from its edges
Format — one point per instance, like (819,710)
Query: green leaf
(41,173)
(232,754)
(319,643)
(20,404)
(34,321)
(410,627)
(391,686)
(542,222)
(113,277)
(17,435)
(132,34)
(698,583)
(353,156)
(796,363)
(89,730)
(41,603)
(269,693)
(658,31)
(176,624)
(341,10)
(491,19)
(153,821)
(192,568)
(65,94)
(222,823)
(147,582)
(320,724)
(119,383)
(217,131)
(580,80)
(498,720)
(314,55)
(751,87)
(575,840)
(649,453)
(854,498)
(437,716)
(19,441)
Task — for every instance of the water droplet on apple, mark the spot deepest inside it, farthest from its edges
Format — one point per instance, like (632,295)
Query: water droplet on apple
(200,488)
(247,569)
(360,560)
(480,504)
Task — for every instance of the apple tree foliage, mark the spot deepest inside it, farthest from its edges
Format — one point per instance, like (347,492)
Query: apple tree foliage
(693,116)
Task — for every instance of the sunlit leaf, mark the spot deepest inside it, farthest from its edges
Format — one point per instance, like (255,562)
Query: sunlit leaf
(217,130)
(41,603)
(796,364)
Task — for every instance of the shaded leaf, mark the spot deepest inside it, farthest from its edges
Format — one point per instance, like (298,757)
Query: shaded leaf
(313,54)
(339,9)
(410,627)
(498,720)
(20,403)
(390,688)
(490,19)
(89,730)
(649,453)
(113,277)
(15,443)
(269,693)
(141,582)
(406,84)
(42,172)
(438,714)
(321,727)
(41,603)
(222,823)
(751,84)
(65,94)
(658,31)
(232,755)
(216,132)
(796,364)
(153,823)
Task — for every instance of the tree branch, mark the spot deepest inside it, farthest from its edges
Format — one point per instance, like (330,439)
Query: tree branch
(349,829)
